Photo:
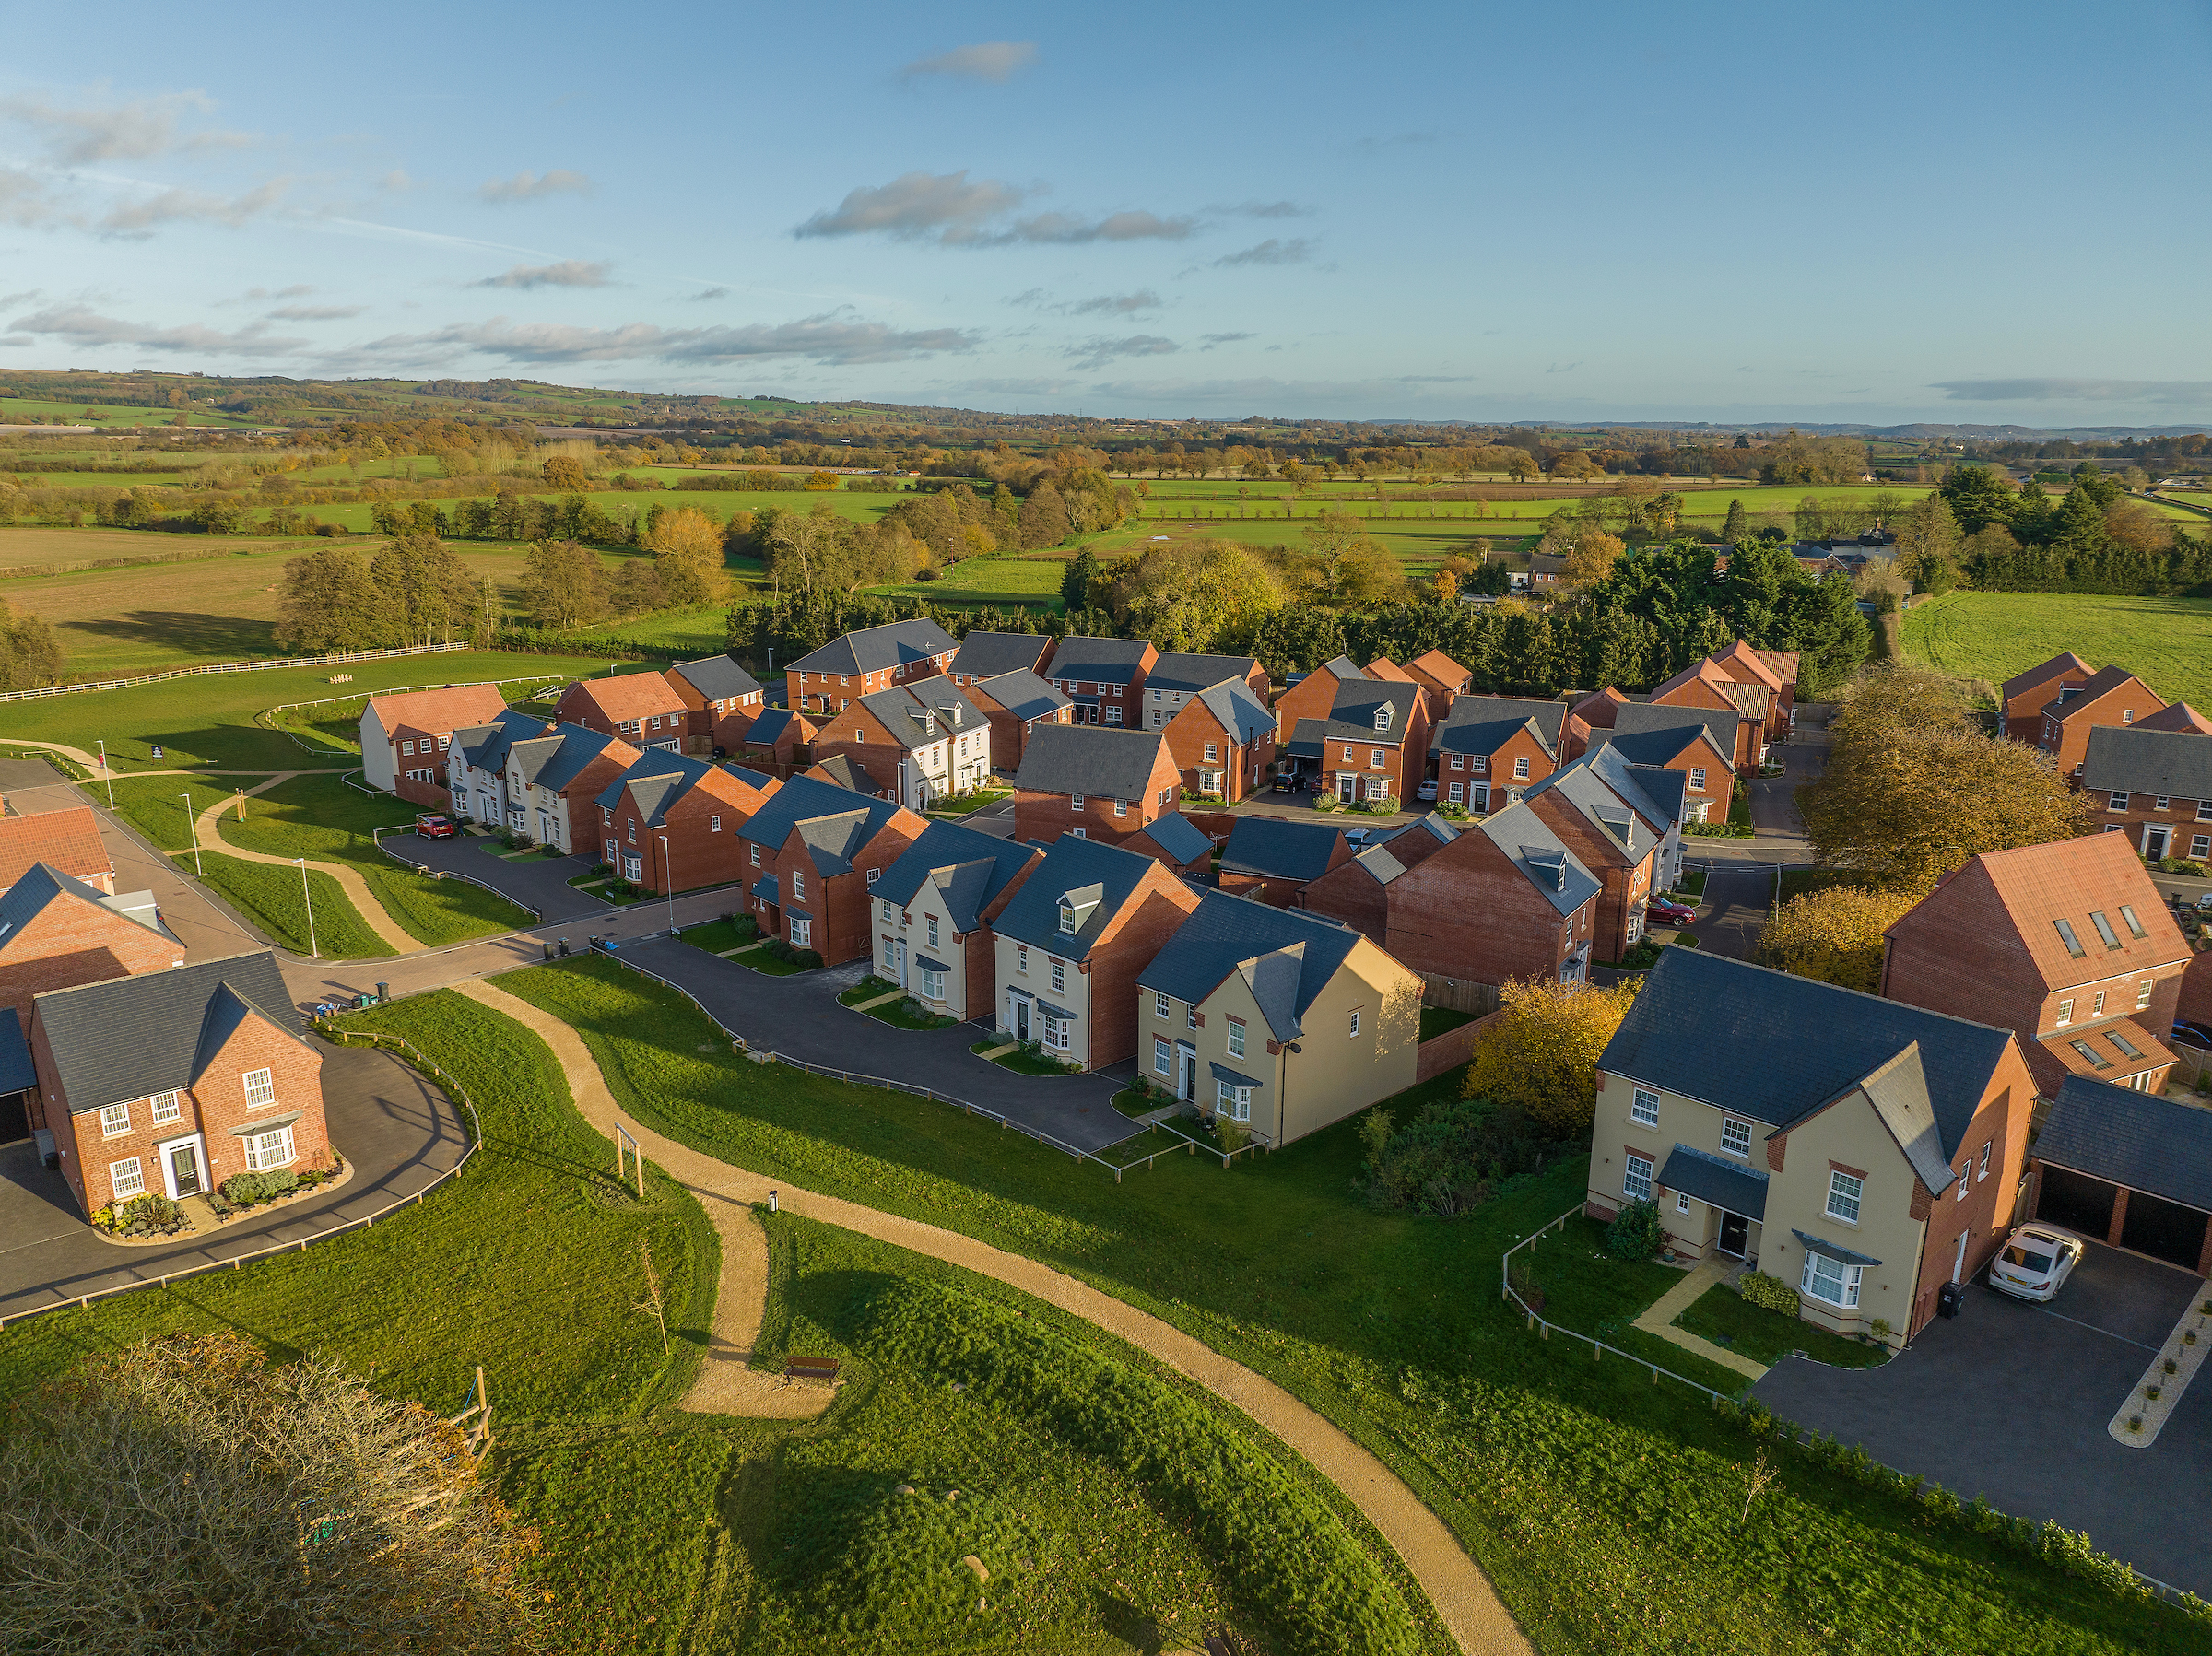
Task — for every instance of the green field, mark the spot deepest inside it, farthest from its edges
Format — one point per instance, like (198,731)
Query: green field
(2165,641)
(107,414)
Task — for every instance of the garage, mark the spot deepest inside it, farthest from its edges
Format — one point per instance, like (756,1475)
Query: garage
(2128,1168)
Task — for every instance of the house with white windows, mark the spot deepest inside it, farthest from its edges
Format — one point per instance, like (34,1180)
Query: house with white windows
(933,913)
(1373,747)
(405,737)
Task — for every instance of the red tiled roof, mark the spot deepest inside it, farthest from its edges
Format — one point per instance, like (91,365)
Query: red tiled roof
(1782,663)
(1383,667)
(1436,664)
(68,839)
(2150,1052)
(1740,658)
(631,696)
(443,711)
(2058,667)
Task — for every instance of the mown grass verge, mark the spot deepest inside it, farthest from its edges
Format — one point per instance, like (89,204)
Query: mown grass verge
(269,895)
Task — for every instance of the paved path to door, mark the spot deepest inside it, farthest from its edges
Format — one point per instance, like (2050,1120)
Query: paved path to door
(1658,1320)
(398,1130)
(1462,1593)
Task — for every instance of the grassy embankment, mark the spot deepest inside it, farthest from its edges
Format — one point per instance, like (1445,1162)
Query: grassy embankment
(1995,635)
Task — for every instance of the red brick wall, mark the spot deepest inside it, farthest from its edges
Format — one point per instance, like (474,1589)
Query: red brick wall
(1045,816)
(1155,910)
(2068,742)
(1350,894)
(1188,733)
(1986,1214)
(697,852)
(2179,818)
(72,942)
(1469,912)
(1451,1049)
(1626,888)
(838,905)
(1310,698)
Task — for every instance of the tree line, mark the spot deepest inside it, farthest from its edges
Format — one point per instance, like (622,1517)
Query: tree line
(1981,529)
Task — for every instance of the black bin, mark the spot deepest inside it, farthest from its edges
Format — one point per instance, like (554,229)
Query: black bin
(1952,1300)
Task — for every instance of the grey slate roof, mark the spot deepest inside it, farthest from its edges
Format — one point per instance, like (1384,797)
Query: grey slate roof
(1775,1048)
(1098,660)
(1178,671)
(1352,715)
(927,710)
(2177,763)
(2142,1141)
(971,868)
(718,677)
(1306,738)
(1279,848)
(769,728)
(1287,955)
(41,884)
(1654,791)
(767,890)
(1221,1072)
(873,648)
(129,1038)
(1484,723)
(846,773)
(803,797)
(655,782)
(1842,1255)
(1089,759)
(1534,848)
(988,654)
(834,841)
(1023,694)
(1899,1091)
(557,757)
(1636,717)
(1098,874)
(485,746)
(1723,1180)
(16,1069)
(1181,837)
(1602,809)
(1243,715)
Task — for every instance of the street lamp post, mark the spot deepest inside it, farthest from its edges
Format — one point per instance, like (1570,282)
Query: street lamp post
(192,824)
(107,771)
(308,897)
(668,880)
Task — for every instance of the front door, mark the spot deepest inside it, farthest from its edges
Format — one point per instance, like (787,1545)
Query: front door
(2154,841)
(184,1169)
(1021,1018)
(1736,1232)
(1344,787)
(1186,1073)
(1959,1258)
(900,948)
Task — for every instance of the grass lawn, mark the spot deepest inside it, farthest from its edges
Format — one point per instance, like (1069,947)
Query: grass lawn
(1722,1315)
(1995,635)
(1020,1062)
(768,966)
(1692,883)
(991,580)
(1605,1509)
(1134,1104)
(1439,1021)
(893,1013)
(596,885)
(269,895)
(716,935)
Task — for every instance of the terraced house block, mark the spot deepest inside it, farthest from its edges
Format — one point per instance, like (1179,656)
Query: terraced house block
(405,737)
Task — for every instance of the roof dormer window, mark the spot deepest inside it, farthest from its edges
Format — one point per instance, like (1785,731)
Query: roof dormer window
(1383,717)
(1067,919)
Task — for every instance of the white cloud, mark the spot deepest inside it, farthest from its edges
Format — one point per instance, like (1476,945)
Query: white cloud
(1099,351)
(316,312)
(1117,304)
(297,291)
(81,326)
(567,273)
(23,198)
(830,338)
(2193,392)
(130,131)
(529,186)
(1273,250)
(991,59)
(951,209)
(141,217)
(8,302)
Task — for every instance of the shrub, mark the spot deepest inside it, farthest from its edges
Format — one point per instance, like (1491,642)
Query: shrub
(1768,1293)
(1635,1234)
(149,1209)
(1449,1159)
(1542,1055)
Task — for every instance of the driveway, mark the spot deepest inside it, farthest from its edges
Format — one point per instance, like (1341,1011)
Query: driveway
(1733,913)
(2011,1400)
(398,1130)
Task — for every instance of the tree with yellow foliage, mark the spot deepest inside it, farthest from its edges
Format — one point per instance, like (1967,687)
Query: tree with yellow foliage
(1834,937)
(686,556)
(1542,1054)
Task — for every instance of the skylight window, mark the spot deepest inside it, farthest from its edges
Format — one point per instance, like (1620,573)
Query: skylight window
(2135,926)
(2128,1048)
(2090,1052)
(2066,935)
(2104,928)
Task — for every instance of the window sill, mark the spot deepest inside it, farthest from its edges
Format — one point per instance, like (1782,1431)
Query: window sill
(1840,1219)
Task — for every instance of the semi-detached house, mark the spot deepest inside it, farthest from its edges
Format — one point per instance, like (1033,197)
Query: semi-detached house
(721,701)
(523,775)
(672,822)
(934,907)
(644,709)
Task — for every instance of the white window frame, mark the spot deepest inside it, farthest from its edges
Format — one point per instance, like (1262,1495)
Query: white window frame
(1634,1184)
(1233,1102)
(1059,975)
(1697,781)
(2065,1013)
(1075,802)
(1378,787)
(801,931)
(1850,1190)
(1021,958)
(1644,1106)
(1236,1038)
(798,885)
(933,984)
(260,1159)
(1981,1171)
(1845,1279)
(1353,1033)
(261,1088)
(1159,1005)
(2165,802)
(168,1106)
(1681,1202)
(2117,801)
(2200,846)
(754,849)
(2096,1008)
(1521,769)
(1163,1056)
(1057,1032)
(933,930)
(890,955)
(1374,759)
(2143,995)
(127,1177)
(1733,1130)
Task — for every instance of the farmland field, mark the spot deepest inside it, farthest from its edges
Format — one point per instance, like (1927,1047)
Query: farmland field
(2166,642)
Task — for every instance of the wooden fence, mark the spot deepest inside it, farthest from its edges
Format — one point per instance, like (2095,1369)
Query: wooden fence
(262,667)
(1459,994)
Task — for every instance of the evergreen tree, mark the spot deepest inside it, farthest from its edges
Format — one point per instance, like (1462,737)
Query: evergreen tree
(1732,532)
(1074,581)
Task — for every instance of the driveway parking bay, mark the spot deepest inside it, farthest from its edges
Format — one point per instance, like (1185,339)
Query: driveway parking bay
(2011,1400)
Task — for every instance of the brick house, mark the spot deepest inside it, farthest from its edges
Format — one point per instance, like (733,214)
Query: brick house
(1085,921)
(1016,703)
(1495,746)
(934,907)
(56,932)
(1223,741)
(535,779)
(644,709)
(2154,786)
(779,742)
(985,656)
(2177,716)
(1174,679)
(1693,751)
(672,822)
(876,658)
(1777,669)
(721,701)
(2129,1170)
(1279,1021)
(404,737)
(1704,685)
(1656,795)
(171,1082)
(1374,744)
(1357,890)
(840,771)
(1174,840)
(477,764)
(1104,678)
(918,743)
(1444,678)
(1863,1151)
(2068,944)
(1093,783)
(1612,841)
(1272,859)
(2024,696)
(68,840)
(1312,696)
(2111,697)
(813,856)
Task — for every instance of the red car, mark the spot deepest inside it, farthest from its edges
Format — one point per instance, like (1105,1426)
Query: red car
(434,828)
(1665,911)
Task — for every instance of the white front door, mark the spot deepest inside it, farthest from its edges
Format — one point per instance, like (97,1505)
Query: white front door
(184,1167)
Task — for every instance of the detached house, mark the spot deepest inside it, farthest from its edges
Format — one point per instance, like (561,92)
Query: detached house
(2114,697)
(1496,747)
(171,1082)
(933,909)
(1103,678)
(830,679)
(2024,697)
(1174,679)
(671,822)
(1609,839)
(644,709)
(404,738)
(1692,751)
(67,841)
(56,932)
(1016,703)
(1092,783)
(1444,678)
(1777,669)
(1085,921)
(813,854)
(917,743)
(1374,744)
(1223,741)
(1312,696)
(2068,944)
(721,700)
(1279,1021)
(2153,786)
(1863,1151)
(1705,686)
(984,655)
(1275,858)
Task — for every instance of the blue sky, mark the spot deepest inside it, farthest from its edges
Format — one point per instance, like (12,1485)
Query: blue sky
(1957,213)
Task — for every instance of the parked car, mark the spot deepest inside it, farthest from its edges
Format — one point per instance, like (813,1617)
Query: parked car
(1665,911)
(434,828)
(2187,1034)
(1286,785)
(1425,793)
(2035,1262)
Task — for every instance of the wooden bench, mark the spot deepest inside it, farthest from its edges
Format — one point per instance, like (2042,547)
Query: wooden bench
(813,1368)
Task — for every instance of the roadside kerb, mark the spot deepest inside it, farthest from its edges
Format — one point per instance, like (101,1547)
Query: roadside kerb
(342,1037)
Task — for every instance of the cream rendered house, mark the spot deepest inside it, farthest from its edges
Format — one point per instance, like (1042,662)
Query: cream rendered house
(1276,1019)
(933,913)
(1865,1152)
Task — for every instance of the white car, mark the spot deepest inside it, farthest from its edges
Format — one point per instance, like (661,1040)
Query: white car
(2035,1262)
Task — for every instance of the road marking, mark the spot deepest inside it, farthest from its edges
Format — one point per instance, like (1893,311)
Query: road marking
(2107,1333)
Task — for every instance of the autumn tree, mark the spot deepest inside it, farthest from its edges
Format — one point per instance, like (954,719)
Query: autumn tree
(803,548)
(189,1495)
(1928,545)
(31,656)
(329,601)
(1542,1054)
(566,475)
(637,588)
(1344,566)
(1044,521)
(563,584)
(1590,560)
(687,555)
(427,589)
(1200,596)
(1834,937)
